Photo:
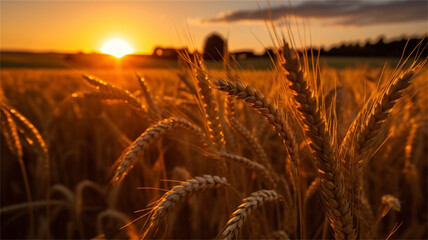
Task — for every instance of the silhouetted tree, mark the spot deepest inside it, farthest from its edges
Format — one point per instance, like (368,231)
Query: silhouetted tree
(214,46)
(380,48)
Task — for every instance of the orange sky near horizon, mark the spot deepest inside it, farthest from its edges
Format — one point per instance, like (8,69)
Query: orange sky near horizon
(72,26)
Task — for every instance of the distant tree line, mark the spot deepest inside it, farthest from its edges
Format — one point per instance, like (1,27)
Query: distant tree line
(378,49)
(215,45)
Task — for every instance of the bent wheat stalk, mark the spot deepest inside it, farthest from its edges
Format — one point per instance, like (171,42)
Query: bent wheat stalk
(238,218)
(178,194)
(100,95)
(35,139)
(30,132)
(111,90)
(146,139)
(256,167)
(267,109)
(10,130)
(366,127)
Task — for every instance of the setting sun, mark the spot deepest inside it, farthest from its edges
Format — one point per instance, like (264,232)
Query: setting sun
(117,48)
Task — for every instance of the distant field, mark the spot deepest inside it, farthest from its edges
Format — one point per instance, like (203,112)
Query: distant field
(28,60)
(55,60)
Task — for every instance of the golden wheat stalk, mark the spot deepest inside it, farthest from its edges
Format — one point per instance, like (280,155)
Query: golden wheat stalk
(329,169)
(238,218)
(179,193)
(111,90)
(103,95)
(31,132)
(146,139)
(209,105)
(10,132)
(35,139)
(366,128)
(364,137)
(153,108)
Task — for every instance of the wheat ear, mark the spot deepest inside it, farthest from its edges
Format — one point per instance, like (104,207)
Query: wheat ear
(113,92)
(364,136)
(178,194)
(153,107)
(238,218)
(146,139)
(335,199)
(365,128)
(30,132)
(102,95)
(10,132)
(265,107)
(209,105)
(35,139)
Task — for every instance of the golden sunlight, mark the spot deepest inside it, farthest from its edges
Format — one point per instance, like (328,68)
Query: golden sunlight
(117,48)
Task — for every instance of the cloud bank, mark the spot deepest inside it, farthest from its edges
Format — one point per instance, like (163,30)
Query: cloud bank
(338,12)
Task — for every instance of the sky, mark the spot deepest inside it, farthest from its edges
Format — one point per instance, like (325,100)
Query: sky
(71,26)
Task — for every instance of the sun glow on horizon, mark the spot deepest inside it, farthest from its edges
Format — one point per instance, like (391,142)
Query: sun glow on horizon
(117,48)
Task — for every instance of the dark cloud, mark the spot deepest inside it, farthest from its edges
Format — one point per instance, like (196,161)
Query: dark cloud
(338,12)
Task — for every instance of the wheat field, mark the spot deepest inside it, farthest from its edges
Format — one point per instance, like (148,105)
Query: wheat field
(294,152)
